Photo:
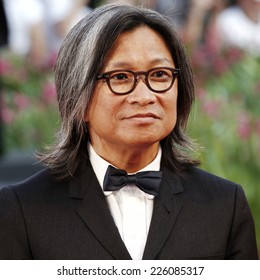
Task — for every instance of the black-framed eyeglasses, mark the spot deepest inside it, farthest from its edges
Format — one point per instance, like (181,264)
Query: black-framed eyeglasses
(159,79)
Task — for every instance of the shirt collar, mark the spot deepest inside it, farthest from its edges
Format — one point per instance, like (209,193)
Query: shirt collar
(100,165)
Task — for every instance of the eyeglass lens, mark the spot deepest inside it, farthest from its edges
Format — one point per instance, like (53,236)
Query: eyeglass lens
(158,80)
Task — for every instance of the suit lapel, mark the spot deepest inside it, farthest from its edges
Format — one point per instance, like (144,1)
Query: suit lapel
(167,208)
(90,204)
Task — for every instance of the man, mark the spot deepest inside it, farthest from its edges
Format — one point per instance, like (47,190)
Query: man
(121,182)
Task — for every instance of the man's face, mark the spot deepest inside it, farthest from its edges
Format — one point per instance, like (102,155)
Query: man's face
(141,118)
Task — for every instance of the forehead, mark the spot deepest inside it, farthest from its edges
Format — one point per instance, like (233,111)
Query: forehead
(141,43)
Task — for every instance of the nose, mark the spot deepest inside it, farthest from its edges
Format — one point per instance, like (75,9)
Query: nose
(141,94)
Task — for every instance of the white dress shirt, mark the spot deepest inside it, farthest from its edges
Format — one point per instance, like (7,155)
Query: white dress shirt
(130,207)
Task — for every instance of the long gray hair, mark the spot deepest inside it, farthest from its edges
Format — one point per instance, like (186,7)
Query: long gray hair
(80,60)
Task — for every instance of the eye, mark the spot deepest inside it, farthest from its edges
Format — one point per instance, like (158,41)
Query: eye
(160,75)
(120,76)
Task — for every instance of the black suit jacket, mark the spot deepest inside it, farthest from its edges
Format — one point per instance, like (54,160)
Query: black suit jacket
(196,216)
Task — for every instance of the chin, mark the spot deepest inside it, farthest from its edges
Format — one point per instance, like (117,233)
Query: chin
(143,142)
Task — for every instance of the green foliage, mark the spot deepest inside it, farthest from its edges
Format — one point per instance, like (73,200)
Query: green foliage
(226,122)
(28,104)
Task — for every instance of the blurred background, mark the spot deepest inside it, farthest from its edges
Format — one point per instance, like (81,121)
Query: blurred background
(222,39)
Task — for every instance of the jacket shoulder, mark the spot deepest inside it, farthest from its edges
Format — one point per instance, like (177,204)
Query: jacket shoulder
(34,186)
(200,176)
(198,181)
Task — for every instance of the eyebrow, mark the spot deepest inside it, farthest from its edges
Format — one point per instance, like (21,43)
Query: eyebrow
(123,64)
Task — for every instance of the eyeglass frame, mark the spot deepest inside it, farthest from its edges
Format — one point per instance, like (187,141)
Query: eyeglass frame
(106,76)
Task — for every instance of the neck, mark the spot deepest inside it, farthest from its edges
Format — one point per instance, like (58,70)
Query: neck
(129,159)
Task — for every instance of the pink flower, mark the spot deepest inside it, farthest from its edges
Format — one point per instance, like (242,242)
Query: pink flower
(49,93)
(257,127)
(4,67)
(21,101)
(7,115)
(220,66)
(244,127)
(234,55)
(199,58)
(211,108)
(52,59)
(201,93)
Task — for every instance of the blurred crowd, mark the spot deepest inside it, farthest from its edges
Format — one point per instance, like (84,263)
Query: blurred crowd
(36,28)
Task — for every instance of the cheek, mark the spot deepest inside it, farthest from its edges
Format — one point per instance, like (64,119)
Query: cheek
(95,104)
(96,114)
(101,111)
(172,115)
(170,110)
(170,105)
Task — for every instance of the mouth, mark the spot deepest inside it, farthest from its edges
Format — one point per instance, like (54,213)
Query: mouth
(143,116)
(143,119)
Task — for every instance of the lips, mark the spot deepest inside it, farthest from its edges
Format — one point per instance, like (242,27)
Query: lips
(143,116)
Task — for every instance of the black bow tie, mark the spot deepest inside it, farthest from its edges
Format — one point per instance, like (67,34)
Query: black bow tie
(147,181)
